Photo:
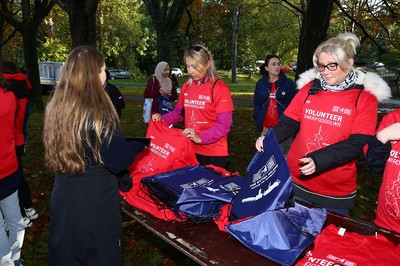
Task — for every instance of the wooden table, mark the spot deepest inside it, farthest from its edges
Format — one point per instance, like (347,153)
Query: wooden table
(207,245)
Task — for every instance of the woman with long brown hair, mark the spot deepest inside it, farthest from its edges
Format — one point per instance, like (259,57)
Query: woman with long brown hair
(84,146)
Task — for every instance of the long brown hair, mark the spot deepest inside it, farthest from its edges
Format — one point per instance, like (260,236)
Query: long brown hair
(80,116)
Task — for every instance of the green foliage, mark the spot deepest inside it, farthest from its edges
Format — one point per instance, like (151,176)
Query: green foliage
(120,36)
(54,36)
(267,28)
(392,60)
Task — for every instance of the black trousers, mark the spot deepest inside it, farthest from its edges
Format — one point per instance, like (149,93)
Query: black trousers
(24,192)
(221,161)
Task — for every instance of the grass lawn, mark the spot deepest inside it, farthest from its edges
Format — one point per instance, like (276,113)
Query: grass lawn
(140,246)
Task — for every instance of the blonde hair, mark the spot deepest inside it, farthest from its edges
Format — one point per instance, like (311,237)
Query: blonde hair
(200,55)
(80,116)
(341,48)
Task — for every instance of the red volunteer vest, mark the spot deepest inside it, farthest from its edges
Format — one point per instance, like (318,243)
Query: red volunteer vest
(388,211)
(201,105)
(325,119)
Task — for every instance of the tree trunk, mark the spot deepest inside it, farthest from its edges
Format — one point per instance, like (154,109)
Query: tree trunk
(163,45)
(82,20)
(31,64)
(313,31)
(166,16)
(234,43)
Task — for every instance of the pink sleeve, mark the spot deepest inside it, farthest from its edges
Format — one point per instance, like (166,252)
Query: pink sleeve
(174,116)
(221,129)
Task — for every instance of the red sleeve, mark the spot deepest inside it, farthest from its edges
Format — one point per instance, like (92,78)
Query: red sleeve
(152,88)
(366,118)
(222,98)
(295,108)
(19,121)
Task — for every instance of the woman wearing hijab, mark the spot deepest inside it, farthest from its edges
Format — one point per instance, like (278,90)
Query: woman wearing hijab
(160,85)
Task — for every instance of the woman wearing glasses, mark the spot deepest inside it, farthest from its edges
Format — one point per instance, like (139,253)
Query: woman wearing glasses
(334,115)
(207,104)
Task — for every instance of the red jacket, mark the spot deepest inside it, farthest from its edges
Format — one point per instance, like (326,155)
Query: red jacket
(20,85)
(153,91)
(8,157)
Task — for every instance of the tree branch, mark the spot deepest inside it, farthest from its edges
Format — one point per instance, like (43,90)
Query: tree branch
(362,28)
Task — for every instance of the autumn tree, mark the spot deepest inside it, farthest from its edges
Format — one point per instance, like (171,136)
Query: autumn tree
(26,18)
(313,31)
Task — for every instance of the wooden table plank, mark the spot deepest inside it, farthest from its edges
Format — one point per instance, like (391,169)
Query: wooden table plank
(207,245)
(202,242)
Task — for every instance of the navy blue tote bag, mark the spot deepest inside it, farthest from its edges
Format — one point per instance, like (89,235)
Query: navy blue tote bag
(204,202)
(166,189)
(268,185)
(280,235)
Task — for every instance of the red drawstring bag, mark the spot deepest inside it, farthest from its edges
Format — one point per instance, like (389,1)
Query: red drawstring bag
(168,150)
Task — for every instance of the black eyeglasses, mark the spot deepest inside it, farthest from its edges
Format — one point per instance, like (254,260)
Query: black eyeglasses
(330,67)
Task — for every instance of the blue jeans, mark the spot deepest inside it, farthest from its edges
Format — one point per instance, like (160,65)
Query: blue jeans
(11,219)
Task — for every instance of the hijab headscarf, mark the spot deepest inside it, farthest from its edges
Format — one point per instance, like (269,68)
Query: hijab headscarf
(165,83)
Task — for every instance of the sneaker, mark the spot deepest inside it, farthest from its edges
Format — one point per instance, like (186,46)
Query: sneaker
(31,213)
(26,222)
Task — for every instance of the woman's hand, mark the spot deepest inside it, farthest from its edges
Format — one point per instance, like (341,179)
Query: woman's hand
(389,133)
(156,117)
(259,144)
(307,166)
(191,134)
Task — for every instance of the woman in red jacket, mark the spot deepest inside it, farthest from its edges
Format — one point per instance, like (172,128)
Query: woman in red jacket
(18,83)
(12,229)
(160,86)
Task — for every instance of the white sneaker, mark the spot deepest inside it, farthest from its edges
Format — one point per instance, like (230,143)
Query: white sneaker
(31,213)
(26,222)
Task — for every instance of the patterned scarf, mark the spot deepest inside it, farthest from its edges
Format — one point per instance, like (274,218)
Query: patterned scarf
(348,83)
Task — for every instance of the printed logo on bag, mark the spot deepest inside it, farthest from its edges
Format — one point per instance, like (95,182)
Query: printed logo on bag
(202,182)
(329,260)
(231,187)
(147,167)
(265,172)
(263,175)
(160,151)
